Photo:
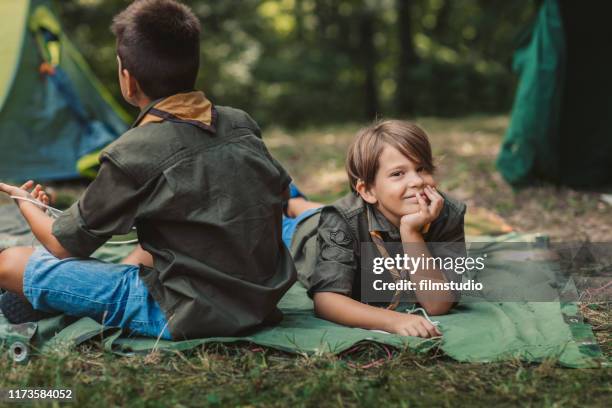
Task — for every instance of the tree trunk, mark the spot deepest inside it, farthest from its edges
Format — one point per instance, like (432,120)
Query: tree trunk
(369,60)
(405,94)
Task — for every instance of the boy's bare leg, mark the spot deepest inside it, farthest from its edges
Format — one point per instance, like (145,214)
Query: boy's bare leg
(138,256)
(12,265)
(298,205)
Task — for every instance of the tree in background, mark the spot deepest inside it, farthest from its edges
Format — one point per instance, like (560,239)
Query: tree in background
(299,62)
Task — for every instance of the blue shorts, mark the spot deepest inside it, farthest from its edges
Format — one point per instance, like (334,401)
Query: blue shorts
(290,224)
(111,294)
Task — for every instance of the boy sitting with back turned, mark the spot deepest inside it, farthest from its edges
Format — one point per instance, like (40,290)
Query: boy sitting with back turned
(196,181)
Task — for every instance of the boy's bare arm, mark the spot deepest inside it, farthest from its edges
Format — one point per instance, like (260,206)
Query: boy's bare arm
(343,310)
(434,302)
(40,223)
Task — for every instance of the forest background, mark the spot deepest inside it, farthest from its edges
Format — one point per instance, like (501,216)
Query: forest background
(311,62)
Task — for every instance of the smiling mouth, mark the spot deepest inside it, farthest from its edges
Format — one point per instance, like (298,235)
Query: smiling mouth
(413,198)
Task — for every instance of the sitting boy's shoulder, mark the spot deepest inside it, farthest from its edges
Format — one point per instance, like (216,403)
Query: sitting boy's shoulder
(230,120)
(141,149)
(147,149)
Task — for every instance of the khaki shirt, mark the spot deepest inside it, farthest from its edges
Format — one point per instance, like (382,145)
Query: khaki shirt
(326,246)
(205,196)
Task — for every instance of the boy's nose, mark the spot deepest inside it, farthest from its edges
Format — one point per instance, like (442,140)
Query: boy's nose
(415,180)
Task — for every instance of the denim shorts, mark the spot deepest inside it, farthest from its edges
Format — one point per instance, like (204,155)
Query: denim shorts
(290,224)
(111,294)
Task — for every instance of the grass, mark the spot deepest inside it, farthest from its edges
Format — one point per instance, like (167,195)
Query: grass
(248,375)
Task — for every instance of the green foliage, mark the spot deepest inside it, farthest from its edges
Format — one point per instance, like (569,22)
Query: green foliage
(299,62)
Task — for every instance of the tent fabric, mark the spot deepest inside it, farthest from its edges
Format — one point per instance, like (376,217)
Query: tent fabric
(473,332)
(12,33)
(528,149)
(560,128)
(49,121)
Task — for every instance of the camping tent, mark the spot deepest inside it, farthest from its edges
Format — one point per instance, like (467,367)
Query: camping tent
(55,115)
(561,124)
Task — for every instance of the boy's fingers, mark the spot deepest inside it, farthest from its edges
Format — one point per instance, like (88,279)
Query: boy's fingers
(422,331)
(433,196)
(431,329)
(422,204)
(6,188)
(27,185)
(412,332)
(437,201)
(436,193)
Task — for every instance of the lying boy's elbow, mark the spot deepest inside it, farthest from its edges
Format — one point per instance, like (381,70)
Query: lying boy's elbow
(317,303)
(321,303)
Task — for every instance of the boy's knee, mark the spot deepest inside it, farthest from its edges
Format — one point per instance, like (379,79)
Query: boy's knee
(13,261)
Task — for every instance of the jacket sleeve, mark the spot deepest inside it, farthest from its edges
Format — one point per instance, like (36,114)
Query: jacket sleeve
(108,207)
(336,263)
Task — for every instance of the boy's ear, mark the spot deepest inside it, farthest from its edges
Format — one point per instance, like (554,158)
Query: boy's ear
(133,88)
(367,194)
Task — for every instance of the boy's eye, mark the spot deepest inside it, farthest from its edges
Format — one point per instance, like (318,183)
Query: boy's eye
(397,173)
(420,169)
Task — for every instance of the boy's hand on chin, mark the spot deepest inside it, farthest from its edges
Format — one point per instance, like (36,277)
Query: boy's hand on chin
(412,325)
(414,223)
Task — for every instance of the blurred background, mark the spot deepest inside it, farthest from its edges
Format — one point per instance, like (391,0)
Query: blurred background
(303,62)
(533,155)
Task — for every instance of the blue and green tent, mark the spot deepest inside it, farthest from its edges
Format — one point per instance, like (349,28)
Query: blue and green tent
(55,116)
(561,123)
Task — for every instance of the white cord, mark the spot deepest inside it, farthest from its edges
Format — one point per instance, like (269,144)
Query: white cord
(420,309)
(38,203)
(54,213)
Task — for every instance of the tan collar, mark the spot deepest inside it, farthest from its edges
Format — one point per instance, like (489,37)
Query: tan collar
(192,107)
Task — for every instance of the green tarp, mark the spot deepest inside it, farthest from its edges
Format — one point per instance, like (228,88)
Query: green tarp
(474,332)
(54,114)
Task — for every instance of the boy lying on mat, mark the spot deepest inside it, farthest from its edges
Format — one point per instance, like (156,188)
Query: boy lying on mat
(393,199)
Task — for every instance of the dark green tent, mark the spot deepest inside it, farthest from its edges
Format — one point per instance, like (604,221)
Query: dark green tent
(561,124)
(54,114)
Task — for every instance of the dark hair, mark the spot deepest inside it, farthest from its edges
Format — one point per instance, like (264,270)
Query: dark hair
(158,42)
(362,160)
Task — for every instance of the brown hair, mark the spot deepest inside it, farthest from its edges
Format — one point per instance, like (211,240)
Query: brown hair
(367,146)
(158,42)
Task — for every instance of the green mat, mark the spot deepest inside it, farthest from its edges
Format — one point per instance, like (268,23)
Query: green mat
(473,332)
